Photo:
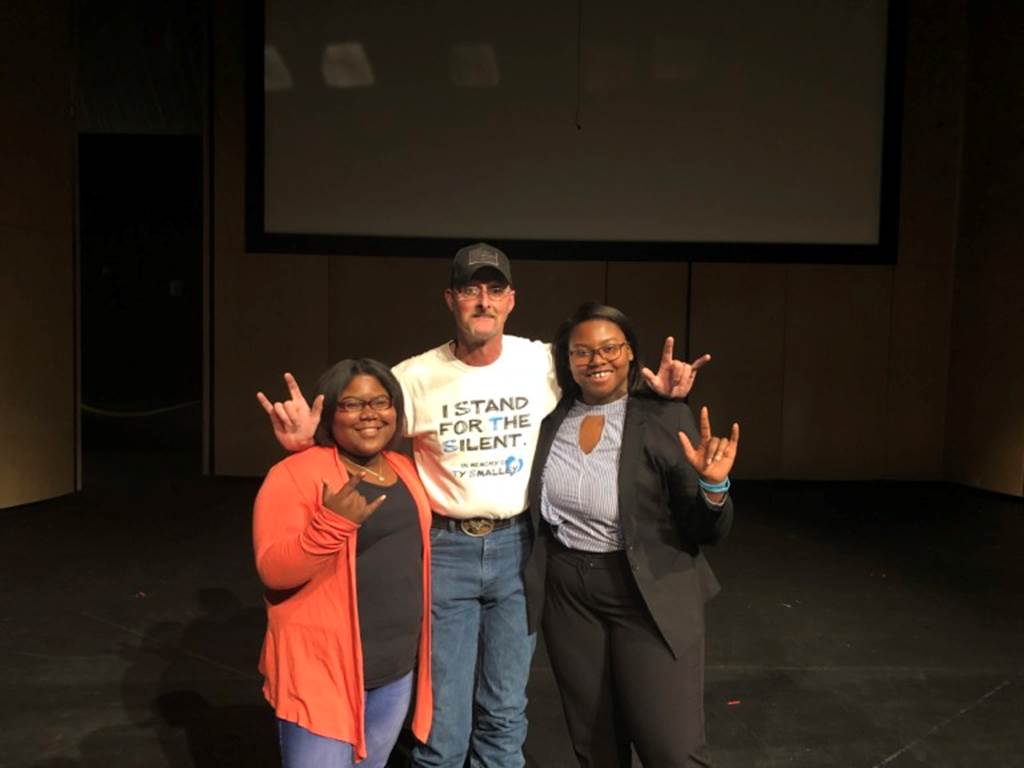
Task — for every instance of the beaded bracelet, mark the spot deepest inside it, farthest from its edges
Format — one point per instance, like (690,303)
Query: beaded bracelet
(721,487)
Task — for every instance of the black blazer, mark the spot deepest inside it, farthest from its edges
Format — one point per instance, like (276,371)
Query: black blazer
(664,519)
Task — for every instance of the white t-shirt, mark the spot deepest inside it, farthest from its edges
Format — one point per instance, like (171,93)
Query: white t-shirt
(475,428)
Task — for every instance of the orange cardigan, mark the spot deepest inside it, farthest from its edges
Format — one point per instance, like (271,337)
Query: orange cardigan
(312,658)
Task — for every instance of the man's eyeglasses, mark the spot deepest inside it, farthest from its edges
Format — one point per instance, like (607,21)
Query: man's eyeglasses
(355,405)
(609,352)
(475,290)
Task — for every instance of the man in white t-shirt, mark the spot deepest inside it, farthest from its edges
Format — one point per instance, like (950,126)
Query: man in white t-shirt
(473,408)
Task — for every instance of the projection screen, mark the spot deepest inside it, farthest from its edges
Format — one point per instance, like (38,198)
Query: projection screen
(733,129)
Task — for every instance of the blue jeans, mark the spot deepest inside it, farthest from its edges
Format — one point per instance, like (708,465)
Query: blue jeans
(386,708)
(481,649)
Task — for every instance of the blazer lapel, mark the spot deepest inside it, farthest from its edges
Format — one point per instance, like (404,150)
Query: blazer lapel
(630,454)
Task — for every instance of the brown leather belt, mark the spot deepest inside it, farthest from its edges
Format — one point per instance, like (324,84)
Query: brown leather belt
(475,526)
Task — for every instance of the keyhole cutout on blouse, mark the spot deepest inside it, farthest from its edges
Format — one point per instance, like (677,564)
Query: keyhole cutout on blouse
(590,432)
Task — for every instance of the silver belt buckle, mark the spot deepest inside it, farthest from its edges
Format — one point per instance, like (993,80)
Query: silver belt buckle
(476,526)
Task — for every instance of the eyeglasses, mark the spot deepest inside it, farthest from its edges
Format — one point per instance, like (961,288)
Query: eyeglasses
(355,405)
(475,290)
(609,352)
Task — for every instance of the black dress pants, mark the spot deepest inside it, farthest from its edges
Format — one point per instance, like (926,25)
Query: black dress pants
(618,680)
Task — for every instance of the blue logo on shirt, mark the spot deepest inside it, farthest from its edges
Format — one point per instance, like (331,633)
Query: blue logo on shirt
(513,464)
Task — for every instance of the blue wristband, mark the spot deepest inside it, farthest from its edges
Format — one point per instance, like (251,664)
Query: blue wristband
(721,487)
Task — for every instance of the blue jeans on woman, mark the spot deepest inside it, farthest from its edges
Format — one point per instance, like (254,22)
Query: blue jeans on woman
(481,648)
(386,709)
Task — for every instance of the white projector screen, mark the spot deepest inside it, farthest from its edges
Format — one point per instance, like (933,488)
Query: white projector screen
(733,122)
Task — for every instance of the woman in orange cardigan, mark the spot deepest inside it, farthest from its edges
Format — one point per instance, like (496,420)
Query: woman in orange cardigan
(341,666)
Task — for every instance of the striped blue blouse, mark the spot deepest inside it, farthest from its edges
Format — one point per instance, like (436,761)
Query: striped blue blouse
(580,491)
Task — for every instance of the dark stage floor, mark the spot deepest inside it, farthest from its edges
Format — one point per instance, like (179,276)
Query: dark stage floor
(860,625)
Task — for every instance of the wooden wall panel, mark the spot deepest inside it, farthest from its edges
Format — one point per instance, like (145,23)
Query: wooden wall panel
(984,436)
(985,428)
(738,315)
(38,441)
(548,291)
(915,420)
(653,296)
(386,308)
(270,317)
(37,133)
(922,287)
(836,360)
(37,365)
(37,175)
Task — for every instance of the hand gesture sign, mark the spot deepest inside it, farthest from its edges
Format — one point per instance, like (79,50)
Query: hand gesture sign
(714,456)
(349,503)
(294,422)
(674,378)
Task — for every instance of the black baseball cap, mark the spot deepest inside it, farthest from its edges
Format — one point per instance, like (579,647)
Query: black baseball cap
(472,258)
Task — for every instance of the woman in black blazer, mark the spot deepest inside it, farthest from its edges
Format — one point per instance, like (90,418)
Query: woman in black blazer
(624,492)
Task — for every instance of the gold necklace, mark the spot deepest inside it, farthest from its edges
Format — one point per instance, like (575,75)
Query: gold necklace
(377,475)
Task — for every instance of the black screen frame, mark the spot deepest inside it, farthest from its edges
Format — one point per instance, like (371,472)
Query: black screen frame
(258,240)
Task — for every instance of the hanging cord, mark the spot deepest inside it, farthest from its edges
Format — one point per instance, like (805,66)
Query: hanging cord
(137,414)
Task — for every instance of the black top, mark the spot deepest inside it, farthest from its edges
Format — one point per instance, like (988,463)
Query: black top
(389,584)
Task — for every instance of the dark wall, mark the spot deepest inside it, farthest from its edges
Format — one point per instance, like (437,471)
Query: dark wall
(985,439)
(37,286)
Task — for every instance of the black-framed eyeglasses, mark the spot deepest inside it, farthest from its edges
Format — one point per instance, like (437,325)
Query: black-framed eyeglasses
(356,405)
(608,352)
(475,290)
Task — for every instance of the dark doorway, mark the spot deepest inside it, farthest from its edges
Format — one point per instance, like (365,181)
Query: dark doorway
(140,209)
